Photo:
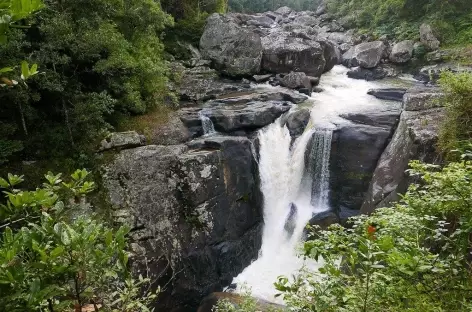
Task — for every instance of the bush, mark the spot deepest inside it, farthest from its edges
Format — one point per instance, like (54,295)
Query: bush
(413,257)
(457,127)
(57,256)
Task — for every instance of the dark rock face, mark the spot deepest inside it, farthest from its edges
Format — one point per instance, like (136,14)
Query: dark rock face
(356,148)
(415,138)
(324,219)
(195,214)
(332,55)
(283,54)
(392,94)
(233,50)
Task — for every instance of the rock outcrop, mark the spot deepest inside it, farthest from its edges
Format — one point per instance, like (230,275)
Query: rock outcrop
(392,94)
(299,81)
(122,140)
(195,214)
(233,50)
(357,146)
(415,138)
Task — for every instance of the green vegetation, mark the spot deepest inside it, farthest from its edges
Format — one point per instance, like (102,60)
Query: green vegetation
(55,254)
(252,6)
(457,126)
(401,19)
(413,257)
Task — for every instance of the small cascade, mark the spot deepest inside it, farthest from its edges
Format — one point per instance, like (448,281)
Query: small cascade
(319,168)
(207,124)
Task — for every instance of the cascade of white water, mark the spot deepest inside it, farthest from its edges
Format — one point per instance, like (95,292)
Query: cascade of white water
(319,168)
(207,124)
(292,176)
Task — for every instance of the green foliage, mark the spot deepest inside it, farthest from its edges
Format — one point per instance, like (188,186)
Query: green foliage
(54,257)
(401,18)
(413,257)
(93,67)
(457,126)
(250,6)
(13,11)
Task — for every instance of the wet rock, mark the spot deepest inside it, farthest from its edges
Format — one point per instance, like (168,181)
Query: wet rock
(298,80)
(392,94)
(195,214)
(262,78)
(233,50)
(228,118)
(357,146)
(290,222)
(365,55)
(324,219)
(427,37)
(284,53)
(414,138)
(378,73)
(402,52)
(122,140)
(297,121)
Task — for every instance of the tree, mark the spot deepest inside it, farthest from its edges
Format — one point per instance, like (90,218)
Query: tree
(55,255)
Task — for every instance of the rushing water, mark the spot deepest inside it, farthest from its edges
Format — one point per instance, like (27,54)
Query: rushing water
(207,124)
(295,186)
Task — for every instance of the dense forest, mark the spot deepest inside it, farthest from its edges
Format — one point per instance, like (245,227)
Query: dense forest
(72,71)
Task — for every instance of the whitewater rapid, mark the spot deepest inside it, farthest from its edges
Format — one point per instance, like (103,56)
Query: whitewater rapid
(289,177)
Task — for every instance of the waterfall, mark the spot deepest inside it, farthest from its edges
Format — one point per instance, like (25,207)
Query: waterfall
(207,124)
(319,168)
(286,184)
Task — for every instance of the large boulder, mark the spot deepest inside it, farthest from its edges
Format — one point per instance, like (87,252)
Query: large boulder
(356,149)
(195,215)
(234,50)
(402,52)
(332,54)
(298,80)
(261,21)
(297,121)
(415,138)
(284,11)
(417,101)
(241,116)
(365,55)
(202,83)
(427,37)
(284,53)
(122,140)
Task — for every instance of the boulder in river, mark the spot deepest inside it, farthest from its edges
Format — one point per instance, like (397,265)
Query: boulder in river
(380,72)
(427,37)
(298,80)
(234,50)
(297,121)
(365,55)
(402,52)
(392,94)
